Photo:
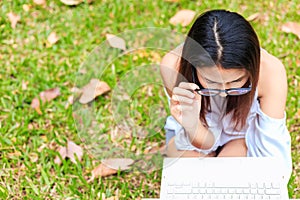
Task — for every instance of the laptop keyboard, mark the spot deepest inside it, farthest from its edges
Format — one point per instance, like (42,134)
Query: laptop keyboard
(211,190)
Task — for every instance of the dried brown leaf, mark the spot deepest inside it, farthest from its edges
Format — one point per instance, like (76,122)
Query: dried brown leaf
(24,85)
(49,94)
(102,171)
(111,166)
(183,17)
(298,138)
(70,101)
(71,2)
(46,95)
(116,42)
(72,150)
(253,17)
(35,103)
(63,153)
(118,163)
(93,89)
(291,27)
(33,157)
(14,19)
(52,38)
(40,2)
(26,7)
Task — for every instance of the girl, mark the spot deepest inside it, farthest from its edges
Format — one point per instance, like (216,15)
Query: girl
(227,97)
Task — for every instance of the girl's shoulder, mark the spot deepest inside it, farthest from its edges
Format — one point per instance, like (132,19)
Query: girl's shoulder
(169,67)
(272,71)
(272,85)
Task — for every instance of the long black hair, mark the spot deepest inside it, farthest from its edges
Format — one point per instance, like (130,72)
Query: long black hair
(224,39)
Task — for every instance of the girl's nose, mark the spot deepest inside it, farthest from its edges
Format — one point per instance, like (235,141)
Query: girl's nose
(223,94)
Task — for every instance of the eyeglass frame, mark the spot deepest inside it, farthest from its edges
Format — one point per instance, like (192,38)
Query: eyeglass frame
(227,91)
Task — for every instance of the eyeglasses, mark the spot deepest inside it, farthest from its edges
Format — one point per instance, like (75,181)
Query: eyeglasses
(214,92)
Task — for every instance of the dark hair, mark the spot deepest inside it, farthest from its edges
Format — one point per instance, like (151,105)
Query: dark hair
(224,39)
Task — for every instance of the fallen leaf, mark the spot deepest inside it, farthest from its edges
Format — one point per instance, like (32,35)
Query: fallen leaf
(26,7)
(24,85)
(183,17)
(33,157)
(63,153)
(50,94)
(71,2)
(13,18)
(118,163)
(111,166)
(253,17)
(45,96)
(70,151)
(52,38)
(40,2)
(102,171)
(35,103)
(70,101)
(93,89)
(291,27)
(112,198)
(116,42)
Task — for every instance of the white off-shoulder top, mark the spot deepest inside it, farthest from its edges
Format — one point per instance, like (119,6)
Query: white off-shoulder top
(264,136)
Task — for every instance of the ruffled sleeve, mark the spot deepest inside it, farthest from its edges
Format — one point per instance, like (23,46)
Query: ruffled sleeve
(269,137)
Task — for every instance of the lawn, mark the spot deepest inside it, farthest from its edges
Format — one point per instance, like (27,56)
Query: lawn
(126,122)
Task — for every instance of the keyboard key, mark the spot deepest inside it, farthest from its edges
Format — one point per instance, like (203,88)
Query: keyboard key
(239,190)
(261,191)
(246,190)
(231,191)
(253,191)
(218,190)
(202,191)
(195,190)
(276,185)
(195,184)
(272,191)
(275,197)
(268,185)
(260,185)
(224,190)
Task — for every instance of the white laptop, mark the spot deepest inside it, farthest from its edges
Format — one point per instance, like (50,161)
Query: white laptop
(223,178)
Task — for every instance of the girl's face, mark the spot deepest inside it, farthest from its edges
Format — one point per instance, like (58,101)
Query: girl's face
(220,78)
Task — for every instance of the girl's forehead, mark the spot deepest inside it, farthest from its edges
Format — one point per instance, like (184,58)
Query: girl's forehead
(219,74)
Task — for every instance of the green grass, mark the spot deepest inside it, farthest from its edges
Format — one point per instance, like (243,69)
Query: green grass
(28,171)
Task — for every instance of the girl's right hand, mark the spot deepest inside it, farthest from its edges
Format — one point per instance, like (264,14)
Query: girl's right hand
(185,105)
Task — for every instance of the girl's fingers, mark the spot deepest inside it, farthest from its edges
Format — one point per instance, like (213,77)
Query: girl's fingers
(182,99)
(188,86)
(181,108)
(183,92)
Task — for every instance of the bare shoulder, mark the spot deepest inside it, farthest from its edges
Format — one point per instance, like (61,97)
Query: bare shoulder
(169,68)
(272,85)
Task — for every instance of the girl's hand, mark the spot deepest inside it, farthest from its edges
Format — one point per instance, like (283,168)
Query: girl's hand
(185,106)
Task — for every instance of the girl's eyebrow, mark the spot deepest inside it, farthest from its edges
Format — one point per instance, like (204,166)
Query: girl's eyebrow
(238,79)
